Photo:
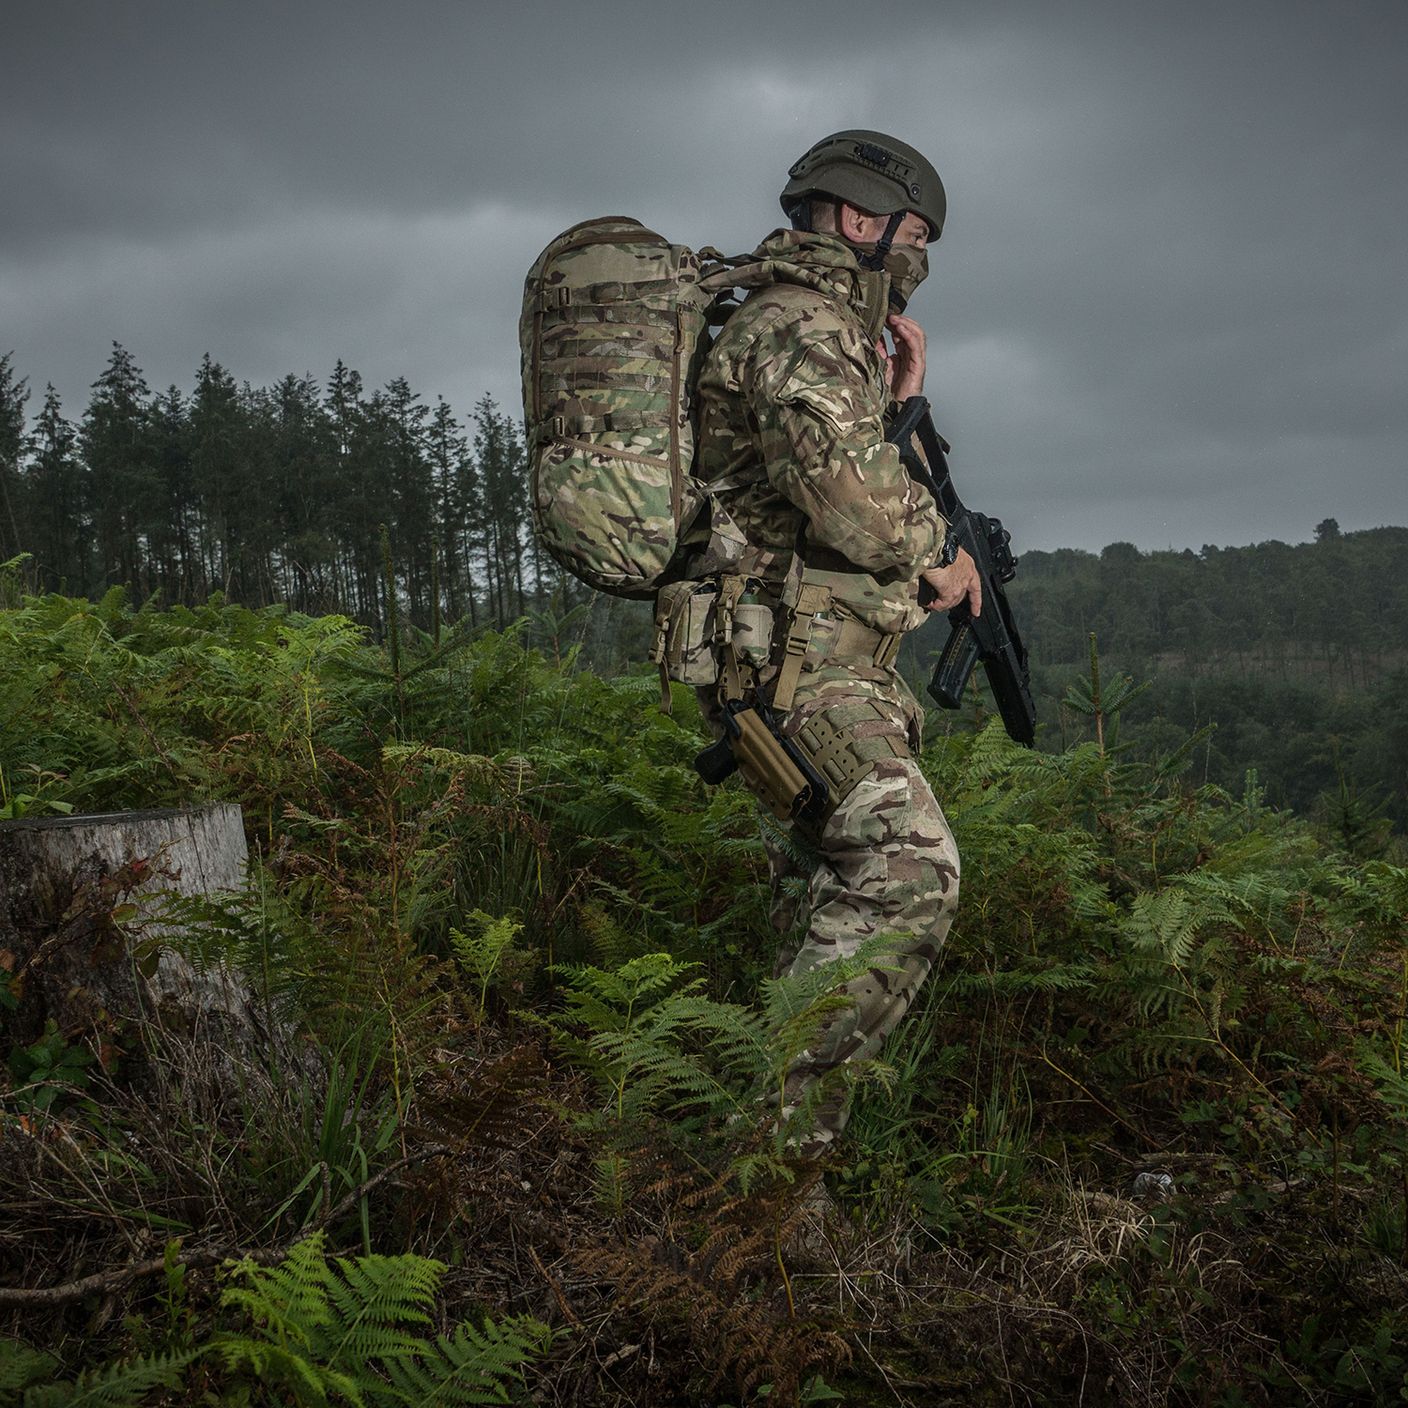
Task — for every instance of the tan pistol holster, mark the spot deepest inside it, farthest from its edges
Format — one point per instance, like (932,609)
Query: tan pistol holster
(804,776)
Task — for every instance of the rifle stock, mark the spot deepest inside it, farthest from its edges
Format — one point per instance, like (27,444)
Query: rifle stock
(991,637)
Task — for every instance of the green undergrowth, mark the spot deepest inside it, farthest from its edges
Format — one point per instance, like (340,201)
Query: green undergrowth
(1143,1139)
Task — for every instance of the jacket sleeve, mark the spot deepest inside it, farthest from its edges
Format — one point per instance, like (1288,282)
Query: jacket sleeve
(814,398)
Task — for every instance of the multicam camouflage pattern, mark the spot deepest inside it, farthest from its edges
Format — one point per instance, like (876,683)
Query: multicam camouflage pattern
(684,632)
(885,864)
(791,438)
(791,398)
(611,335)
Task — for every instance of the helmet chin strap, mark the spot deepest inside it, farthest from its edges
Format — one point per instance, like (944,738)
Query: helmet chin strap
(875,260)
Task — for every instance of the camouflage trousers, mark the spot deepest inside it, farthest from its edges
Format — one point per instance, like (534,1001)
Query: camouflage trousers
(884,864)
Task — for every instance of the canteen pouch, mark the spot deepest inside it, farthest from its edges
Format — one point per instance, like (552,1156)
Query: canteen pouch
(684,632)
(752,634)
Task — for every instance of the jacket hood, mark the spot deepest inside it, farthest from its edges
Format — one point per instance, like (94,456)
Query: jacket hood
(823,262)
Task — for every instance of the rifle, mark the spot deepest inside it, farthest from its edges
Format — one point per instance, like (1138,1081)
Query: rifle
(991,637)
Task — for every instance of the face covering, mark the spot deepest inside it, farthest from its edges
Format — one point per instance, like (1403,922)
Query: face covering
(906,267)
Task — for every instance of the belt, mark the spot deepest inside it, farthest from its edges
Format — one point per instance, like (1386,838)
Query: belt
(815,639)
(851,643)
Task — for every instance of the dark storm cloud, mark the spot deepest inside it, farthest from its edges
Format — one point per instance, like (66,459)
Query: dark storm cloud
(1170,304)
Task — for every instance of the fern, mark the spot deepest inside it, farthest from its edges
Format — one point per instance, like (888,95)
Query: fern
(470,1365)
(123,1384)
(627,1027)
(1391,1082)
(1033,978)
(354,1331)
(255,931)
(1167,924)
(487,772)
(482,950)
(656,1044)
(21,1366)
(705,1287)
(612,944)
(485,1109)
(1374,895)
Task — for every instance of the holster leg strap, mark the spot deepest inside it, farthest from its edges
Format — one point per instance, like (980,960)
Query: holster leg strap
(830,744)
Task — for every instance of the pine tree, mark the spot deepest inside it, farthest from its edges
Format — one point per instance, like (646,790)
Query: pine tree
(13,395)
(117,447)
(172,532)
(216,426)
(499,453)
(407,467)
(257,529)
(359,494)
(58,501)
(305,478)
(460,508)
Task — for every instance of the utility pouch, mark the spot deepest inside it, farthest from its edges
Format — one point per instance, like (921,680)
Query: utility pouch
(752,633)
(774,768)
(684,632)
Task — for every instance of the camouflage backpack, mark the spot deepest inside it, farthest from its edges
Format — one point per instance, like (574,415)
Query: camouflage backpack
(614,328)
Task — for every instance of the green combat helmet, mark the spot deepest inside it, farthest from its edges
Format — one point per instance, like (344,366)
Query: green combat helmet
(874,172)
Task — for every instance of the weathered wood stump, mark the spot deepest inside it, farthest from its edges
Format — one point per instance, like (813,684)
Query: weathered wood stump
(70,959)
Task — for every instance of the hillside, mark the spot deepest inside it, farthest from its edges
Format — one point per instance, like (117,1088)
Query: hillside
(1294,658)
(1145,1141)
(1331,613)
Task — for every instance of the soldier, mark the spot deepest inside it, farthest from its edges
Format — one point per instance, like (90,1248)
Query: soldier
(814,502)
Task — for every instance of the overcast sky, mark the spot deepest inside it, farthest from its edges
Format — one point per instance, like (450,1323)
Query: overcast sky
(1170,304)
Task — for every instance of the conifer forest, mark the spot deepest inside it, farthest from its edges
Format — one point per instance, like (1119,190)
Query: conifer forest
(507,1128)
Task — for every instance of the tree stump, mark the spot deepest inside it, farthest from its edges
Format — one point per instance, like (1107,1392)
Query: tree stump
(68,955)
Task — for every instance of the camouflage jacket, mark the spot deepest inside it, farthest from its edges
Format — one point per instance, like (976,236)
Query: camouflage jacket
(791,403)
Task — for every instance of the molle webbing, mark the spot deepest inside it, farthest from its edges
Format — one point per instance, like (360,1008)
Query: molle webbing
(606,295)
(613,329)
(560,427)
(830,743)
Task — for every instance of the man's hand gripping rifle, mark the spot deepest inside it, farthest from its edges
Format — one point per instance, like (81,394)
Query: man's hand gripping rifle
(991,637)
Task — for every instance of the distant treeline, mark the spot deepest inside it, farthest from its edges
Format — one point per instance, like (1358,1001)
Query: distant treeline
(280,493)
(1298,653)
(1332,610)
(1295,655)
(269,494)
